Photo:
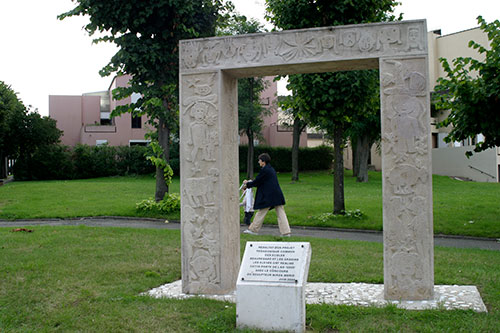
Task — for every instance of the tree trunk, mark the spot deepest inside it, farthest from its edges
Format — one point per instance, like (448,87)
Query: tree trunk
(250,152)
(3,171)
(297,130)
(363,153)
(355,160)
(250,155)
(163,140)
(338,171)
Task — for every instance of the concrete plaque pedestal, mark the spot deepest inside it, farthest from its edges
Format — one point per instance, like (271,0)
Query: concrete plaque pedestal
(270,292)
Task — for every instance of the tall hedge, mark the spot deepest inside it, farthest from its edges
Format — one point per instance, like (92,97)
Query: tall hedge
(317,158)
(83,161)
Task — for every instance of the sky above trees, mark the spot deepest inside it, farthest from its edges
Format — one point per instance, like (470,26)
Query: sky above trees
(43,56)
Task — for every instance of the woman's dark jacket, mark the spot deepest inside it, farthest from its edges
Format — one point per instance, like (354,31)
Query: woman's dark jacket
(269,193)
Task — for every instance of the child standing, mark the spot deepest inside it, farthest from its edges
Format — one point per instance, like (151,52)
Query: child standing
(246,200)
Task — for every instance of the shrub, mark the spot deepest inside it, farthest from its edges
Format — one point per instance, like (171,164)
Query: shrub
(83,161)
(170,203)
(132,161)
(46,162)
(323,219)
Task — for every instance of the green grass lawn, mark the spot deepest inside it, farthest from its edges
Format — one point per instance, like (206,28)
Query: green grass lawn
(460,208)
(66,279)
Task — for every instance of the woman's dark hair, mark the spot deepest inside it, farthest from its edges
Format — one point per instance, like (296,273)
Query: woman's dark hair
(264,157)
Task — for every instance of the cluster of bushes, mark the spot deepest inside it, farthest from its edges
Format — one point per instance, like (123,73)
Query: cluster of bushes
(83,161)
(317,158)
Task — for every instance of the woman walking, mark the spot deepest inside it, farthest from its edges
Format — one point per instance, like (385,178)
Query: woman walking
(269,195)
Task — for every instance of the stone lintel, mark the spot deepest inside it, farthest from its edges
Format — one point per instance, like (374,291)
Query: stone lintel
(306,50)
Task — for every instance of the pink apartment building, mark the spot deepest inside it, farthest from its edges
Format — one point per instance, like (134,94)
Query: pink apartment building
(86,119)
(274,133)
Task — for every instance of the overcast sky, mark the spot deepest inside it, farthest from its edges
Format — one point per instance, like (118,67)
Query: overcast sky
(42,56)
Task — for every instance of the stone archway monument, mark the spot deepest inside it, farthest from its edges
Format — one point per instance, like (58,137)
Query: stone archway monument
(209,69)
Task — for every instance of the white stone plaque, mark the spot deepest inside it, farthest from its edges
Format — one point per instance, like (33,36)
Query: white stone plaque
(274,262)
(270,292)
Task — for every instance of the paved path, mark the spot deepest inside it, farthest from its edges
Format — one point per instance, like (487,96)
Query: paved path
(369,236)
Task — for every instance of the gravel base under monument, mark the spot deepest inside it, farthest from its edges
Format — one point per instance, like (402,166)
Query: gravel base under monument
(358,294)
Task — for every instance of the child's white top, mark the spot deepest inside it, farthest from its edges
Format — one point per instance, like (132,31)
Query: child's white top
(246,199)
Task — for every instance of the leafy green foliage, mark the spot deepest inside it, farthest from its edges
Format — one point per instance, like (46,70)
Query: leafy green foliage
(46,162)
(23,132)
(147,34)
(83,161)
(170,203)
(156,158)
(474,102)
(298,14)
(332,100)
(10,106)
(316,158)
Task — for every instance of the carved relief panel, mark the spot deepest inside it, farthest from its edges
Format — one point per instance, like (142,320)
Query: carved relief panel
(295,46)
(200,178)
(407,191)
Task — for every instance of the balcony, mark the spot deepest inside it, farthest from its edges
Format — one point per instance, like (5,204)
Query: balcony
(93,128)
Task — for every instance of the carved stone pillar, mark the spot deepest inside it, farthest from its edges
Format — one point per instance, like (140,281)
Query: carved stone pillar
(209,183)
(407,179)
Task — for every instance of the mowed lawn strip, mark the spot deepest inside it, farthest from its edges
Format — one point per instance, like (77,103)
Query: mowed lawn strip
(90,279)
(460,208)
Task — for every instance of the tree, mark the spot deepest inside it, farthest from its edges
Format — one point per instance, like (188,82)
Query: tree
(364,130)
(9,106)
(250,110)
(250,113)
(292,108)
(474,101)
(332,99)
(22,131)
(147,34)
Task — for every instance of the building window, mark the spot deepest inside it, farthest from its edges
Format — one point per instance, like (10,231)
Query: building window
(136,122)
(435,140)
(101,142)
(138,142)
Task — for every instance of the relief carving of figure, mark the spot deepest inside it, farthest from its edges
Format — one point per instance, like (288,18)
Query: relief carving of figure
(414,39)
(211,52)
(329,43)
(416,84)
(190,54)
(387,36)
(404,178)
(349,38)
(202,244)
(203,112)
(200,191)
(405,123)
(229,50)
(406,274)
(366,42)
(403,81)
(198,130)
(252,50)
(203,269)
(408,232)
